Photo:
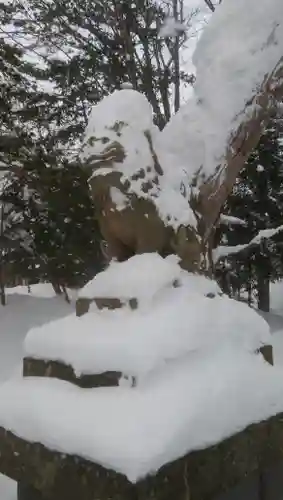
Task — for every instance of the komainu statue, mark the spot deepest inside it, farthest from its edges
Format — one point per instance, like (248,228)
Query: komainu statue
(130,190)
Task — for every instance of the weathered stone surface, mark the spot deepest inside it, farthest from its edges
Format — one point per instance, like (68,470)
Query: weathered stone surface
(56,369)
(83,304)
(201,475)
(267,352)
(28,492)
(248,489)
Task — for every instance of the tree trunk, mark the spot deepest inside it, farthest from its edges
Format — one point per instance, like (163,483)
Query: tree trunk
(2,286)
(214,192)
(249,285)
(2,278)
(210,5)
(263,277)
(56,288)
(263,289)
(65,293)
(176,58)
(2,294)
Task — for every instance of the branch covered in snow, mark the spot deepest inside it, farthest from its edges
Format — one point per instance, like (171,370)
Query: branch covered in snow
(239,77)
(229,220)
(226,251)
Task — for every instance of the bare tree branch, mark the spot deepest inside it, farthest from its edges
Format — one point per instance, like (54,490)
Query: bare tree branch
(210,5)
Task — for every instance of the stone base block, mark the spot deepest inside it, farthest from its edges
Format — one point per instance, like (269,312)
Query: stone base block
(56,369)
(247,466)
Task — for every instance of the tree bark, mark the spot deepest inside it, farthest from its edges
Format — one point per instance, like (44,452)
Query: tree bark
(263,289)
(56,287)
(65,293)
(263,277)
(210,5)
(2,289)
(176,59)
(214,192)
(2,276)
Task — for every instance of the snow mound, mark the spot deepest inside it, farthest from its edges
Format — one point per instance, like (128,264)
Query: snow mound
(140,277)
(190,405)
(168,324)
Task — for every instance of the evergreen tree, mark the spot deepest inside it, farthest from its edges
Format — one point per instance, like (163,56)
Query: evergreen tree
(91,48)
(85,50)
(257,199)
(40,187)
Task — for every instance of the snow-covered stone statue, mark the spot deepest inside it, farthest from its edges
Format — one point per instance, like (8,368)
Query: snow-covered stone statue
(173,369)
(163,191)
(138,208)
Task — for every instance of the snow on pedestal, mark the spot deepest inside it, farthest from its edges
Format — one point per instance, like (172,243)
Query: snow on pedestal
(192,351)
(169,323)
(140,277)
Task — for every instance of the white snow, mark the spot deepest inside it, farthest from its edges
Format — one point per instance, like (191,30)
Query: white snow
(171,411)
(229,220)
(126,85)
(266,233)
(193,355)
(140,277)
(23,311)
(126,117)
(225,251)
(168,324)
(276,297)
(171,28)
(260,168)
(238,48)
(7,488)
(121,117)
(192,404)
(118,198)
(135,343)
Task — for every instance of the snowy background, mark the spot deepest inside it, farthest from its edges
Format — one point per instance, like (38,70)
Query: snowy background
(23,312)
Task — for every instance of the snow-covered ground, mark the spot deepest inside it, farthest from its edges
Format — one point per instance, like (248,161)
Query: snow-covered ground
(25,311)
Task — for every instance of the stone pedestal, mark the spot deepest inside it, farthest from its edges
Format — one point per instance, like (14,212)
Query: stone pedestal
(247,466)
(83,304)
(56,369)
